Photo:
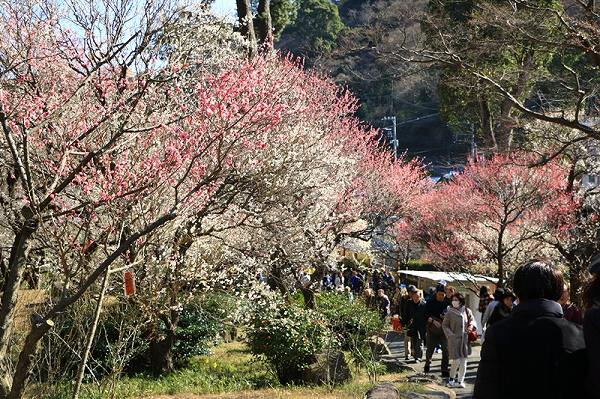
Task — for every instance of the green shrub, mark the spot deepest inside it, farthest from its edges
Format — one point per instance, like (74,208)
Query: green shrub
(420,264)
(196,332)
(200,324)
(289,339)
(353,322)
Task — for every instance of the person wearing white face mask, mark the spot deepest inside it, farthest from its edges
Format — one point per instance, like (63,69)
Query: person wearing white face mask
(456,325)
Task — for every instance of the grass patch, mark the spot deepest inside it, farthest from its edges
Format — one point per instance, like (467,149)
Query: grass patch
(230,372)
(229,368)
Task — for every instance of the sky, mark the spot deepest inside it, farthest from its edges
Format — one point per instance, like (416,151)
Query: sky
(224,7)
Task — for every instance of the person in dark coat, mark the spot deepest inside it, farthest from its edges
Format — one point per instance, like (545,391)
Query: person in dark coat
(376,283)
(404,302)
(415,322)
(435,309)
(389,281)
(357,282)
(591,329)
(503,309)
(485,298)
(534,353)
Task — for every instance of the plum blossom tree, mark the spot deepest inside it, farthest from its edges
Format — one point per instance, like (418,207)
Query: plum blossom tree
(278,213)
(495,214)
(122,145)
(360,197)
(147,146)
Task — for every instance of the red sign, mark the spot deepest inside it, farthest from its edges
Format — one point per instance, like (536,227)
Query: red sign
(129,278)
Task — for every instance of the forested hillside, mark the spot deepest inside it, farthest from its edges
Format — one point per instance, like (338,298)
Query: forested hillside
(351,40)
(448,69)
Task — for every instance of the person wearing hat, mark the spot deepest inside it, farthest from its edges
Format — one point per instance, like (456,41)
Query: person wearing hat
(534,353)
(415,323)
(435,309)
(503,309)
(591,328)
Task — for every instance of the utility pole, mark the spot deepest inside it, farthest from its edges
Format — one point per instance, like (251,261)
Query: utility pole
(473,143)
(394,140)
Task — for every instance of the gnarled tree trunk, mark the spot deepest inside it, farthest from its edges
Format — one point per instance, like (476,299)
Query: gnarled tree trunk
(10,294)
(161,349)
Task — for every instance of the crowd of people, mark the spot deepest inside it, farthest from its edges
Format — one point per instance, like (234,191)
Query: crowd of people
(423,316)
(376,287)
(442,321)
(535,342)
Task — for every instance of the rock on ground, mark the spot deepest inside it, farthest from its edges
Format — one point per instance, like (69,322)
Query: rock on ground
(328,368)
(378,347)
(383,391)
(389,391)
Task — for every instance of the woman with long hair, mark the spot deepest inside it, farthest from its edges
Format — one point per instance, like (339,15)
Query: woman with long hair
(591,328)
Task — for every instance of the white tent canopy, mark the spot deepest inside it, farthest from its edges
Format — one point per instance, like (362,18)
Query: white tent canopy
(450,276)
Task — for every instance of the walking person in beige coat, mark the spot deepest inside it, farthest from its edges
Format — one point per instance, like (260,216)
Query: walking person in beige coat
(456,325)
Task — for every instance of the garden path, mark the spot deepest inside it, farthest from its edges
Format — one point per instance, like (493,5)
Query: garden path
(395,343)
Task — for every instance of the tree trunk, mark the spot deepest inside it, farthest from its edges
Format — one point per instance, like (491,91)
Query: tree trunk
(309,298)
(275,281)
(500,256)
(90,336)
(500,272)
(38,329)
(504,133)
(504,127)
(244,11)
(487,124)
(10,295)
(264,25)
(161,349)
(161,354)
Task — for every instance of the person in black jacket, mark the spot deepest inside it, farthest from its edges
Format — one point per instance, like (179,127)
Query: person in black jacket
(534,353)
(435,309)
(591,329)
(415,325)
(404,302)
(503,309)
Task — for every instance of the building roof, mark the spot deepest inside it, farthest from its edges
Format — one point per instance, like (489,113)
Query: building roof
(450,276)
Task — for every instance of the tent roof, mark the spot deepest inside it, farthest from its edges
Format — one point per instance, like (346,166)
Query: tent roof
(450,276)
